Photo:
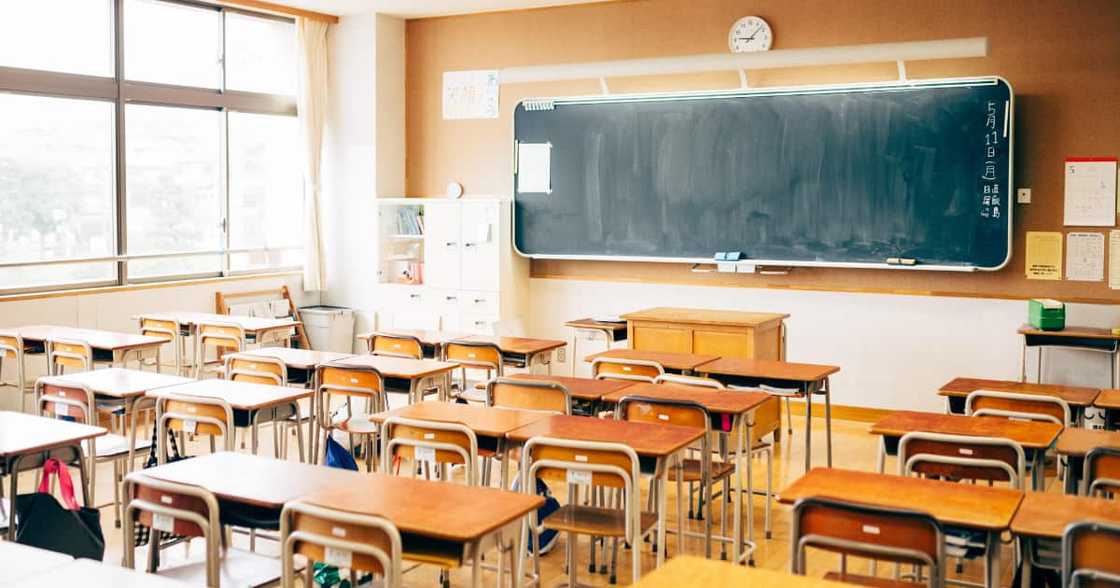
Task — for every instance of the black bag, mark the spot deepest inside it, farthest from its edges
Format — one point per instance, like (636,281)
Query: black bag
(143,533)
(44,523)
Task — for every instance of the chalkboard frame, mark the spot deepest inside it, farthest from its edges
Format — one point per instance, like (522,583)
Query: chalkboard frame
(1009,115)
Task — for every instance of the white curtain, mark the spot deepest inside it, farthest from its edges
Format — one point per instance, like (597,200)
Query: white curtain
(311,48)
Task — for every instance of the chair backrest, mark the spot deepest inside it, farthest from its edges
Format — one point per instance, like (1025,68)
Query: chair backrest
(59,398)
(69,353)
(226,337)
(198,415)
(11,347)
(1089,551)
(902,536)
(474,354)
(178,509)
(433,442)
(661,411)
(364,543)
(163,328)
(1102,470)
(689,381)
(1014,405)
(349,381)
(396,345)
(962,457)
(634,370)
(535,395)
(256,369)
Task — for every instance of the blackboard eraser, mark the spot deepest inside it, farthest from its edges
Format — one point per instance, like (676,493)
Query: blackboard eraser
(901,261)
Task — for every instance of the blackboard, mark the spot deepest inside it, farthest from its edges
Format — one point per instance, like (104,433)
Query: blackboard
(849,176)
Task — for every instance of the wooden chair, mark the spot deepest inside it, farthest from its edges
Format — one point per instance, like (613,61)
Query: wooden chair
(191,512)
(689,381)
(1102,471)
(262,369)
(535,395)
(350,382)
(766,421)
(68,353)
(435,444)
(857,530)
(1089,552)
(632,370)
(225,338)
(11,348)
(584,463)
(60,399)
(962,457)
(168,330)
(396,345)
(477,355)
(1035,407)
(360,543)
(195,415)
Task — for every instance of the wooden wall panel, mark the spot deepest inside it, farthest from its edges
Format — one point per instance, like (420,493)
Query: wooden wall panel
(1061,57)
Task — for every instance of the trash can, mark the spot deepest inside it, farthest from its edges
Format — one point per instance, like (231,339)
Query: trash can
(329,328)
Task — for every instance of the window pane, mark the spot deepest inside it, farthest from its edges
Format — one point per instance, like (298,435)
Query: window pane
(72,36)
(173,176)
(56,188)
(260,54)
(172,44)
(266,191)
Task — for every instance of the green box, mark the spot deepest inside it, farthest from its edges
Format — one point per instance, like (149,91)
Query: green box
(1047,314)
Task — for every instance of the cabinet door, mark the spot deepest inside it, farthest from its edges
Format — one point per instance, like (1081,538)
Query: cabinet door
(661,337)
(480,234)
(442,245)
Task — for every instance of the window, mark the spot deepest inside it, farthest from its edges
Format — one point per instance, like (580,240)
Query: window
(206,179)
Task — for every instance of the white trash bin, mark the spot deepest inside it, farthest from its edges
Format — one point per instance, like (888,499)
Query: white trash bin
(329,328)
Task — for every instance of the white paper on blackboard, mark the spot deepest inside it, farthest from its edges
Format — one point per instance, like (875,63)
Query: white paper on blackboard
(1090,194)
(534,168)
(1085,257)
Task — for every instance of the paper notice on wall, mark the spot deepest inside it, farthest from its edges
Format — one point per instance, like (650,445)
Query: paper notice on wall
(1085,257)
(470,94)
(1114,260)
(534,168)
(1044,256)
(1090,195)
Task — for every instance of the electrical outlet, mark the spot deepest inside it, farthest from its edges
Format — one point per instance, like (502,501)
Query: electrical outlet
(561,355)
(1023,195)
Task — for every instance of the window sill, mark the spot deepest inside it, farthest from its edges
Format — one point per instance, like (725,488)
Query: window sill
(144,286)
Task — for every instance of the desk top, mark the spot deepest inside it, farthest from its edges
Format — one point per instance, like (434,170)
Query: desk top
(302,359)
(1046,514)
(1077,442)
(690,571)
(668,360)
(239,395)
(1073,395)
(1072,331)
(487,421)
(647,439)
(580,388)
(23,433)
(98,339)
(705,316)
(121,382)
(963,505)
(85,572)
(441,510)
(1029,434)
(768,369)
(20,561)
(715,401)
(251,479)
(251,324)
(520,345)
(590,323)
(426,336)
(1109,399)
(399,367)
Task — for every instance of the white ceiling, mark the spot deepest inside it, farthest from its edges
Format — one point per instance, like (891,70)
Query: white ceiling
(422,8)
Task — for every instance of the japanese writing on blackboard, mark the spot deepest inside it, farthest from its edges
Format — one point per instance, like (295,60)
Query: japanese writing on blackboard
(991,200)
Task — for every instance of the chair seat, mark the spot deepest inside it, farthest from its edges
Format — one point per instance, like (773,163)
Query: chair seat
(433,553)
(359,425)
(692,470)
(238,567)
(589,520)
(113,445)
(476,395)
(872,581)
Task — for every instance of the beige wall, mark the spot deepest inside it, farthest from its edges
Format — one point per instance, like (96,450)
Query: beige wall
(1061,57)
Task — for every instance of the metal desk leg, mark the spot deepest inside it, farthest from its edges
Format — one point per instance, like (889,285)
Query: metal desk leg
(1023,361)
(992,568)
(1038,377)
(809,430)
(828,420)
(737,554)
(572,359)
(662,481)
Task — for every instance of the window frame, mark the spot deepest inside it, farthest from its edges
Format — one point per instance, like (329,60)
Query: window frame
(122,92)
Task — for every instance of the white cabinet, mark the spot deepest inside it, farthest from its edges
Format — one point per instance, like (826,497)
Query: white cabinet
(459,272)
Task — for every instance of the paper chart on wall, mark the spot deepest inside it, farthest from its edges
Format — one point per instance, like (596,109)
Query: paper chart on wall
(1085,257)
(1044,255)
(1114,260)
(470,94)
(1090,193)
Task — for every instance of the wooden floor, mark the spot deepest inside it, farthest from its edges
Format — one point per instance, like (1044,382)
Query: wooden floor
(854,449)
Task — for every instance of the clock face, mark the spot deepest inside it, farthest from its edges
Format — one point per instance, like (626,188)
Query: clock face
(750,33)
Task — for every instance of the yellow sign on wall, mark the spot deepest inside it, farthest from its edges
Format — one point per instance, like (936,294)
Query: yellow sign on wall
(1044,255)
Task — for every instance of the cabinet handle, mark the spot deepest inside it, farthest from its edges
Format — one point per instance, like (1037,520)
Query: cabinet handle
(452,243)
(479,300)
(469,244)
(414,296)
(450,298)
(480,323)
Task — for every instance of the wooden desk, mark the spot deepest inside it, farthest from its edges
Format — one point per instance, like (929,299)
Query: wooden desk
(85,572)
(437,518)
(522,351)
(688,571)
(1088,338)
(300,359)
(958,389)
(610,331)
(670,361)
(659,442)
(969,506)
(23,436)
(107,346)
(807,379)
(415,371)
(1043,517)
(584,389)
(1074,443)
(20,561)
(431,341)
(256,328)
(724,333)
